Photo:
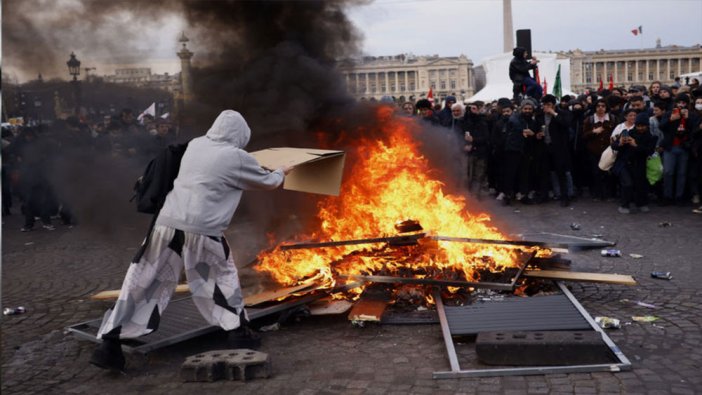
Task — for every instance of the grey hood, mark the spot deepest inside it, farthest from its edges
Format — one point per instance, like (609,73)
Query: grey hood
(230,127)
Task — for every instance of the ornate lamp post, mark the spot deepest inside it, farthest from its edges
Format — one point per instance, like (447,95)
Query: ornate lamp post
(74,70)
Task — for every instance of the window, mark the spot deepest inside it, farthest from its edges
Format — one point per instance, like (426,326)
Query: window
(443,84)
(650,76)
(453,84)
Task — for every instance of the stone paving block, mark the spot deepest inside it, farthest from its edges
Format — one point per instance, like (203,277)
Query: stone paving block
(238,364)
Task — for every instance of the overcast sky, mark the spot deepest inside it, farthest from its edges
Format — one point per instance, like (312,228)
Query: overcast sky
(474,27)
(454,27)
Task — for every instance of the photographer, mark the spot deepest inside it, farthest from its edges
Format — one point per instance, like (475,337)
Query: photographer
(677,139)
(633,147)
(519,74)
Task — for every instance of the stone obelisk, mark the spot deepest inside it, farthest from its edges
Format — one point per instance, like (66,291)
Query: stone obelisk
(507,32)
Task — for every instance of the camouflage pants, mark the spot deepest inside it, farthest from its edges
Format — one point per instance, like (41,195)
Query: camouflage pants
(152,278)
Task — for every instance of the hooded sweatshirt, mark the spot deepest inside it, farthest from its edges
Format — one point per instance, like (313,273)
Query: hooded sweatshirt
(214,172)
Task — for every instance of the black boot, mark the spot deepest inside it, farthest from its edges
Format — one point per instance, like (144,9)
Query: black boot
(244,336)
(108,355)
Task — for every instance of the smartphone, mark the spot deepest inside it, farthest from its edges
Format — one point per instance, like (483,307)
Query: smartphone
(625,133)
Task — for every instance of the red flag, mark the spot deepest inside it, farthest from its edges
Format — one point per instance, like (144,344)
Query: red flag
(545,86)
(601,86)
(430,95)
(635,32)
(611,83)
(536,76)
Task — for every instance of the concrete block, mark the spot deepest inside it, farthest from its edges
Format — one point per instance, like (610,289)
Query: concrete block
(238,364)
(542,348)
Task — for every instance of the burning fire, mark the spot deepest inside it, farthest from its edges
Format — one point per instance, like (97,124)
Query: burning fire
(391,181)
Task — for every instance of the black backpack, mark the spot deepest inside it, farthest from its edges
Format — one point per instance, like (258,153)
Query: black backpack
(150,189)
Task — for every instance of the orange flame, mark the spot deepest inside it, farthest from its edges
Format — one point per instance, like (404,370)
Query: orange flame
(389,182)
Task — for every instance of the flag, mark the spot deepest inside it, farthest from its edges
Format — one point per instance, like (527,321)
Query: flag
(557,91)
(166,115)
(637,31)
(601,85)
(536,76)
(430,95)
(610,87)
(545,86)
(151,110)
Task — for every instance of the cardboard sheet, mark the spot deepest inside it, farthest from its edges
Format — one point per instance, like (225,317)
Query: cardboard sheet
(315,170)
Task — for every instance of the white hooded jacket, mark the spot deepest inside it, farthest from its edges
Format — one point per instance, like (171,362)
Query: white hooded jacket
(214,171)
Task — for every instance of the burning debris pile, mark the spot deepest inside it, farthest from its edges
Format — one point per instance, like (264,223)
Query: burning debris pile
(394,218)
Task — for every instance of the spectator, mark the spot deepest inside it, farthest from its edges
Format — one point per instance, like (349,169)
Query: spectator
(556,135)
(477,147)
(653,91)
(633,147)
(445,116)
(597,130)
(665,96)
(520,128)
(426,112)
(677,138)
(696,157)
(498,130)
(408,109)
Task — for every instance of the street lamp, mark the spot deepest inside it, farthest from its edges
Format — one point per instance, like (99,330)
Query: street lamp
(73,66)
(74,69)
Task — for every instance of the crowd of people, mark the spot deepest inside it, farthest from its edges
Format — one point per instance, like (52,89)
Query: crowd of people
(33,158)
(633,145)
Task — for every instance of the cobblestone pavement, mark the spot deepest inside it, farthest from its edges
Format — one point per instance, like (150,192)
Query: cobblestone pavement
(52,274)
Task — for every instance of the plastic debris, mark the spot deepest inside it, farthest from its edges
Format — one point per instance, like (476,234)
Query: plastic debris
(269,328)
(664,224)
(611,252)
(608,322)
(636,256)
(640,303)
(575,226)
(644,318)
(516,210)
(597,236)
(14,310)
(662,275)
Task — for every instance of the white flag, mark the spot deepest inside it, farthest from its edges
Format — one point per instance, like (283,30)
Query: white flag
(151,110)
(166,115)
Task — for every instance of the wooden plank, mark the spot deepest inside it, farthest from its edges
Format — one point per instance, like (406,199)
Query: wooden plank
(524,243)
(371,305)
(428,281)
(621,279)
(251,300)
(114,293)
(271,295)
(390,239)
(328,306)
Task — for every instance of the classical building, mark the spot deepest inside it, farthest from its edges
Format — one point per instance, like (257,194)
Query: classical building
(142,76)
(632,66)
(408,76)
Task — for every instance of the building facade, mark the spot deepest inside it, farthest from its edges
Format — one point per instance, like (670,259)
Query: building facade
(632,66)
(142,77)
(408,77)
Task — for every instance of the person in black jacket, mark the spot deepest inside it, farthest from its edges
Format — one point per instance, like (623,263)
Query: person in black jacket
(477,147)
(556,135)
(521,127)
(633,148)
(677,140)
(519,74)
(497,145)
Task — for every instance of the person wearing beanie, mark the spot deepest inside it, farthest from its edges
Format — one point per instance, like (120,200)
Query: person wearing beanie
(445,116)
(677,139)
(426,112)
(665,96)
(633,147)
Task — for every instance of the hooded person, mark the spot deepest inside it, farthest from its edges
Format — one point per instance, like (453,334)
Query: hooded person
(446,115)
(189,231)
(519,68)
